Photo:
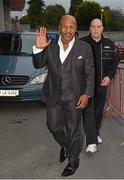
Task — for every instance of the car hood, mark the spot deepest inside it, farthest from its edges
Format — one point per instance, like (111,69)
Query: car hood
(16,65)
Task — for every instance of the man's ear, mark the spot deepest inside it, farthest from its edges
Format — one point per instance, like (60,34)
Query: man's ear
(102,28)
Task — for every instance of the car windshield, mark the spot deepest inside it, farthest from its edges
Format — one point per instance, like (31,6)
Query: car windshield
(119,44)
(20,44)
(16,44)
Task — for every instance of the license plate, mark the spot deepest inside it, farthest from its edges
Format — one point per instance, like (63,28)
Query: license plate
(9,93)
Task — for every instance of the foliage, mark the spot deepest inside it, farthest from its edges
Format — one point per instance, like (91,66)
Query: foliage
(113,19)
(118,18)
(36,12)
(74,5)
(24,20)
(86,11)
(53,15)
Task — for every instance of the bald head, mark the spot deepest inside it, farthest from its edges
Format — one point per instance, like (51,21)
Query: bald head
(96,29)
(68,18)
(96,20)
(67,28)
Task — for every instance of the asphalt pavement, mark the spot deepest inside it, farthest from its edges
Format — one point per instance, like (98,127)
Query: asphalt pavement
(28,150)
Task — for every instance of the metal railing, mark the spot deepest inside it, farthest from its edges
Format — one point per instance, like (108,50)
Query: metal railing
(115,94)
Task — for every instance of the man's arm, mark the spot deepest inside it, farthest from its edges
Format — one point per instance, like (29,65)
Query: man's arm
(114,63)
(89,79)
(39,59)
(39,51)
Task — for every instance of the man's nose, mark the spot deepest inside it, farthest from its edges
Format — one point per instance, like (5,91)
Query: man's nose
(68,29)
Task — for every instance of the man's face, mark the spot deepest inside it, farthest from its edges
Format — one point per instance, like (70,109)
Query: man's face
(96,29)
(67,29)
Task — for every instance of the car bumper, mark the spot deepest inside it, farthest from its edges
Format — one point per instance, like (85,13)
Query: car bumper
(29,93)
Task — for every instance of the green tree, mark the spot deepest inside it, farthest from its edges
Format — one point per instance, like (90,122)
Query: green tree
(114,19)
(36,12)
(53,15)
(24,20)
(85,12)
(118,18)
(74,5)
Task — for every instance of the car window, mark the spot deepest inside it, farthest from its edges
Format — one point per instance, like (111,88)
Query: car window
(7,43)
(16,44)
(119,44)
(53,36)
(120,49)
(20,44)
(27,42)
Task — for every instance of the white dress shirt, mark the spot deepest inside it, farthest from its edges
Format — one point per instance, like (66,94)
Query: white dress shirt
(62,53)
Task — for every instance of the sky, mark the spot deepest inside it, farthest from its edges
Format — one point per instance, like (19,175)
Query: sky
(113,4)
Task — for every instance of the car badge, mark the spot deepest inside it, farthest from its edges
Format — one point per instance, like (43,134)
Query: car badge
(6,80)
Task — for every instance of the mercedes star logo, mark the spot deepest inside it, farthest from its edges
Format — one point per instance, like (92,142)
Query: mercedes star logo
(6,80)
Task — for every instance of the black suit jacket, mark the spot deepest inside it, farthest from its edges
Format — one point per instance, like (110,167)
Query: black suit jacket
(82,70)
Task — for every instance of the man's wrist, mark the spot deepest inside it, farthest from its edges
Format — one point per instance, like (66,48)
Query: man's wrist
(36,50)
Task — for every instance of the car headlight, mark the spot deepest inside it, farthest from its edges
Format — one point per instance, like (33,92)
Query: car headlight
(39,79)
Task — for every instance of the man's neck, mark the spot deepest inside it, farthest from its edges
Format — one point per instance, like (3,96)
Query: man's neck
(65,44)
(97,39)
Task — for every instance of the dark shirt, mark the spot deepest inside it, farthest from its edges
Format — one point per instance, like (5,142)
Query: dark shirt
(105,57)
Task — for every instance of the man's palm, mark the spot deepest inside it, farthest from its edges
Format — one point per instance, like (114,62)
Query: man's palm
(41,39)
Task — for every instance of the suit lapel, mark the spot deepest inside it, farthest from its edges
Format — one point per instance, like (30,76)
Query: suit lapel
(55,53)
(72,54)
(56,58)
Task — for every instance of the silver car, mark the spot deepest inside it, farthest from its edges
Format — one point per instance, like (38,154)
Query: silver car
(19,79)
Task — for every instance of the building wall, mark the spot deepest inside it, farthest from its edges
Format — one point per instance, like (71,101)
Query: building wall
(7,18)
(5,7)
(2,27)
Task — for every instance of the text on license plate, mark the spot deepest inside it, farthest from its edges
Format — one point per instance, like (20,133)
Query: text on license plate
(9,93)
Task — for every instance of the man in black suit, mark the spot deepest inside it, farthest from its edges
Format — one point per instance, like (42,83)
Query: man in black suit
(105,63)
(69,84)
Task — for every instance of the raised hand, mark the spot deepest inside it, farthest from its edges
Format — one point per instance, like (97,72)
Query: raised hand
(41,39)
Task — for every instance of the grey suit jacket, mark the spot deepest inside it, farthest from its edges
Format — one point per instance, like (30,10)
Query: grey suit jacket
(82,70)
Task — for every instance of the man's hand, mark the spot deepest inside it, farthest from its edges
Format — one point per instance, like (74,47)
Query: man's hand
(41,39)
(82,102)
(105,81)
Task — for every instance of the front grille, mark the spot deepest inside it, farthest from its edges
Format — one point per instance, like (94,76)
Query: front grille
(13,80)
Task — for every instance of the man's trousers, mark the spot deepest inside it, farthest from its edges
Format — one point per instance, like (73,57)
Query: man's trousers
(99,103)
(90,124)
(93,115)
(65,123)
